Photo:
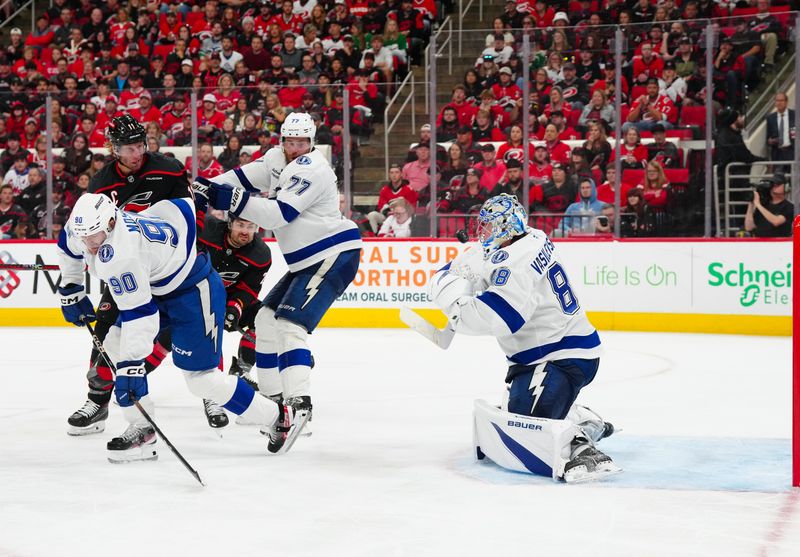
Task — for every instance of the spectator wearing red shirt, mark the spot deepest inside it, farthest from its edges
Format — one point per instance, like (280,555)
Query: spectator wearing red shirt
(484,130)
(129,98)
(146,111)
(16,122)
(541,171)
(655,186)
(207,164)
(466,110)
(209,119)
(542,14)
(506,91)
(608,82)
(363,93)
(633,153)
(172,121)
(94,137)
(256,57)
(43,35)
(648,65)
(292,95)
(395,187)
(109,112)
(287,20)
(652,108)
(607,191)
(558,150)
(513,148)
(493,171)
(565,132)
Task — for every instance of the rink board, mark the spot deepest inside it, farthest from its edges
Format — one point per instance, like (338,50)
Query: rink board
(715,286)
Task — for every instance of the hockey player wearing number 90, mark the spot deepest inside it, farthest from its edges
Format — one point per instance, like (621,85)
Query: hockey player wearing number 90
(158,280)
(514,287)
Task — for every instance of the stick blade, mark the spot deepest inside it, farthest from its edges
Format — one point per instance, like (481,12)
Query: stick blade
(440,337)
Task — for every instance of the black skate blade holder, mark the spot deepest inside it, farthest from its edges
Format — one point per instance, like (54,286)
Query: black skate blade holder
(99,345)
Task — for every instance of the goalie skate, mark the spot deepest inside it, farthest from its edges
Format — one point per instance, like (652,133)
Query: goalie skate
(284,432)
(588,465)
(136,443)
(91,418)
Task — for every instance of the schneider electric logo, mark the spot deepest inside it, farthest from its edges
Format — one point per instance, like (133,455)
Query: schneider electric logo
(765,286)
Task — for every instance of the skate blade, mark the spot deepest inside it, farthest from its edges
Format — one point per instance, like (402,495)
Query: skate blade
(300,420)
(132,455)
(581,475)
(307,431)
(98,427)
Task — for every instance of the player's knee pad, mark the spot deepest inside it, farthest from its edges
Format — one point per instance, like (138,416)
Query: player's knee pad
(522,443)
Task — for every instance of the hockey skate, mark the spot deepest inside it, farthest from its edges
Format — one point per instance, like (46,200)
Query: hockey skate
(136,443)
(588,464)
(593,426)
(215,415)
(241,369)
(303,403)
(287,427)
(89,419)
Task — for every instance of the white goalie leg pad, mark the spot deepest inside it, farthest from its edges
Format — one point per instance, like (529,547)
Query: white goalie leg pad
(269,381)
(232,393)
(589,421)
(294,359)
(522,443)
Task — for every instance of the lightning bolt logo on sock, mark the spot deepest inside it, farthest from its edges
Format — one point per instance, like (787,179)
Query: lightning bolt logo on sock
(316,279)
(537,384)
(208,315)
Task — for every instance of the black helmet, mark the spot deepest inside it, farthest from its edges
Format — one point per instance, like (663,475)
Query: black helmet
(124,130)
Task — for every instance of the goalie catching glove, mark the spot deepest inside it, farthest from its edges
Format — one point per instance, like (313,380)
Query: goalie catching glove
(75,305)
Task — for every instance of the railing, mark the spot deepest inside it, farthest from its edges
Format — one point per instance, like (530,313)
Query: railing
(440,45)
(733,197)
(22,8)
(389,126)
(462,11)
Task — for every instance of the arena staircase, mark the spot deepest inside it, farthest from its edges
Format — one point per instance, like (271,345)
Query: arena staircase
(23,20)
(369,166)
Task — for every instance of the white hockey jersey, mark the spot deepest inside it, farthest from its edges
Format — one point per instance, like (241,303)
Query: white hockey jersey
(301,207)
(147,254)
(524,298)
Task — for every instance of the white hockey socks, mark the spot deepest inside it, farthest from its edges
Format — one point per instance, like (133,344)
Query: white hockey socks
(294,359)
(269,381)
(233,394)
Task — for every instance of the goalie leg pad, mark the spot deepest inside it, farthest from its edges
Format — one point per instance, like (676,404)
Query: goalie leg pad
(269,382)
(522,443)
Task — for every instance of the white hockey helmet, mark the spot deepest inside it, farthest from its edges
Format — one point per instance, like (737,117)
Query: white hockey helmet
(92,214)
(299,124)
(502,218)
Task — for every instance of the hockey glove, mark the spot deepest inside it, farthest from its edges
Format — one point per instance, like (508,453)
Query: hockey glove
(75,306)
(233,313)
(131,382)
(228,198)
(446,288)
(200,195)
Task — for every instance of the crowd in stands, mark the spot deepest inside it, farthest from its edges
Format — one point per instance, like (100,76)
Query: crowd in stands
(250,63)
(572,116)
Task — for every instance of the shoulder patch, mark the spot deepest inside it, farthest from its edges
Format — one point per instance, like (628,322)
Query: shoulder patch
(303,160)
(499,256)
(500,276)
(105,253)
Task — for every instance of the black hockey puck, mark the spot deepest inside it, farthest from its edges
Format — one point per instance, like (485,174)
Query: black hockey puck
(462,236)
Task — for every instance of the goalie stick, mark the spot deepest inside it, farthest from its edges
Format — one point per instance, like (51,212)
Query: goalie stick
(99,345)
(440,337)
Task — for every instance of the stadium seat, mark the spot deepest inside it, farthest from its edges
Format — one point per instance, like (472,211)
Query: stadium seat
(677,175)
(633,176)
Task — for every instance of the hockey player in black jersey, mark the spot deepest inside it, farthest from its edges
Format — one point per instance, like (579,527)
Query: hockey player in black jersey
(242,259)
(134,181)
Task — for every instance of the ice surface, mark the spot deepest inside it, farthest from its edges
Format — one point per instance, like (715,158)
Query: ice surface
(389,469)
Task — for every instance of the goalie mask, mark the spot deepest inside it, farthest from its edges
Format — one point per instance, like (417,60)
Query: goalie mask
(93,213)
(501,219)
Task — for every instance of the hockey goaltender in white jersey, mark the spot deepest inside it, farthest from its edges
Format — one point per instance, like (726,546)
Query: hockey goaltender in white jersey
(514,287)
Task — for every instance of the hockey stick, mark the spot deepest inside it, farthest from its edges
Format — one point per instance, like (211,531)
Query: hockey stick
(440,337)
(99,345)
(28,267)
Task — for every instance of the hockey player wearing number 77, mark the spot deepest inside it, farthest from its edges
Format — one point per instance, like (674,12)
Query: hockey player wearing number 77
(320,246)
(514,287)
(158,280)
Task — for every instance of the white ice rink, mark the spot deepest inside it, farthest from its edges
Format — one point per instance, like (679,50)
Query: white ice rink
(389,469)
